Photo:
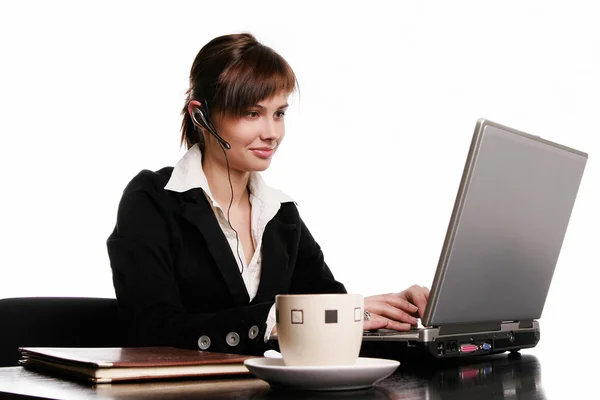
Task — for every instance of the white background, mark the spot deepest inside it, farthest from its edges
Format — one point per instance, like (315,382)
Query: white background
(90,93)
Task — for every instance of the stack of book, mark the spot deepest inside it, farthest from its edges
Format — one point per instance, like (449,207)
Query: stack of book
(105,365)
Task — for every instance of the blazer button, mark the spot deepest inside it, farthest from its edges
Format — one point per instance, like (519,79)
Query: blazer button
(232,339)
(204,342)
(253,332)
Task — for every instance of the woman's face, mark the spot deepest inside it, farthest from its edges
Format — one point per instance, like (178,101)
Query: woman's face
(254,138)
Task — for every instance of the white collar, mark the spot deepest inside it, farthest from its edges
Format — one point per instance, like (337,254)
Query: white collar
(188,174)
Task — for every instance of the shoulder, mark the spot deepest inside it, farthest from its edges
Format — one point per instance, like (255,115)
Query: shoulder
(147,191)
(288,214)
(145,205)
(149,181)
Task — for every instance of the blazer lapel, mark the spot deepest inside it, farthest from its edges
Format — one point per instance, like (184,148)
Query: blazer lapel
(199,213)
(276,244)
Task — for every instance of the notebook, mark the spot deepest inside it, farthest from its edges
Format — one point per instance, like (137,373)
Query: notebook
(105,365)
(502,244)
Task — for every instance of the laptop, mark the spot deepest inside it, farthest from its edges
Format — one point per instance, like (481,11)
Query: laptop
(505,234)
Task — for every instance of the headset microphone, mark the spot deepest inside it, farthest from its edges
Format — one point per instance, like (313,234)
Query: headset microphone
(199,118)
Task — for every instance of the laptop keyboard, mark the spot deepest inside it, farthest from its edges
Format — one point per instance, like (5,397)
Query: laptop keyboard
(389,332)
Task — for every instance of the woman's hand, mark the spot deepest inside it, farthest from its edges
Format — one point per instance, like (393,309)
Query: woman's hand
(397,311)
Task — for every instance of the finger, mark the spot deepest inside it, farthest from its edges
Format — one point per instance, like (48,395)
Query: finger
(398,326)
(395,325)
(421,303)
(425,292)
(373,324)
(378,322)
(391,312)
(401,303)
(417,296)
(404,301)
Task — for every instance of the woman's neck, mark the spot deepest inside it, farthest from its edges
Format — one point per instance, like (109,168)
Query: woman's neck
(218,181)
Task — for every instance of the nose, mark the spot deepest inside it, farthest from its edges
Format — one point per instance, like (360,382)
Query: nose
(272,130)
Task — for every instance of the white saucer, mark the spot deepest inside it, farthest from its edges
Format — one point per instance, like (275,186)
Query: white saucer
(364,374)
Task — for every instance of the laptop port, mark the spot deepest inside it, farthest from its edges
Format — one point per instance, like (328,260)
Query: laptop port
(468,348)
(451,346)
(486,346)
(440,349)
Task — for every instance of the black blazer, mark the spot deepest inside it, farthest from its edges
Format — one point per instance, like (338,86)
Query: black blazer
(177,281)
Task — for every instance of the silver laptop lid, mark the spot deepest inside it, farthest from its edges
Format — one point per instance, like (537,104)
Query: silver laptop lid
(507,228)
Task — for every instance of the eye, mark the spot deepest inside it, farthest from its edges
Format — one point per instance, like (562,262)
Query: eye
(280,114)
(252,114)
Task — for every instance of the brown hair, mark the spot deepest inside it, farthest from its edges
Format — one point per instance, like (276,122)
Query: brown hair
(232,73)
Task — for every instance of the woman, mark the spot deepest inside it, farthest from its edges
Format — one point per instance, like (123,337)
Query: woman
(200,251)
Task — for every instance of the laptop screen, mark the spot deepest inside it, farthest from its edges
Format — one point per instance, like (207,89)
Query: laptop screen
(507,228)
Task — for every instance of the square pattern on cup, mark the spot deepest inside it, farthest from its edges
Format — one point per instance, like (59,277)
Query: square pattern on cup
(297,317)
(331,316)
(358,315)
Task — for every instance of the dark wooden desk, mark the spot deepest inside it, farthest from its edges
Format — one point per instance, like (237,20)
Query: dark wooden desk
(492,377)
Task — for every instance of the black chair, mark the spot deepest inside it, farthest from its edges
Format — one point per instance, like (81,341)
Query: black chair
(58,322)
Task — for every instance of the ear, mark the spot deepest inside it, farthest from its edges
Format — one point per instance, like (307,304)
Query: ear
(193,104)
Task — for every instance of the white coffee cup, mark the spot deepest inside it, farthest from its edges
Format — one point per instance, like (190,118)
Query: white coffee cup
(319,329)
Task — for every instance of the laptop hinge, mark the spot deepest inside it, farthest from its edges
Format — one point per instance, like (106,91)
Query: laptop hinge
(526,324)
(468,328)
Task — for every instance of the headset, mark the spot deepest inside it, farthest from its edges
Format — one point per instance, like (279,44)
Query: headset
(200,118)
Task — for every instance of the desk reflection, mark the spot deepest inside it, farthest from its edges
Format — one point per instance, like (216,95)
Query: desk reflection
(373,393)
(494,377)
(504,376)
(490,377)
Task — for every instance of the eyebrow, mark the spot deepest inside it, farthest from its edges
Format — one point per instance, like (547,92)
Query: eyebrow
(280,107)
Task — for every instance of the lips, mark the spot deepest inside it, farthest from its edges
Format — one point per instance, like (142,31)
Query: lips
(263,152)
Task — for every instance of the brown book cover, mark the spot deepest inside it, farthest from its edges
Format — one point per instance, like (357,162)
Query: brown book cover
(103,365)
